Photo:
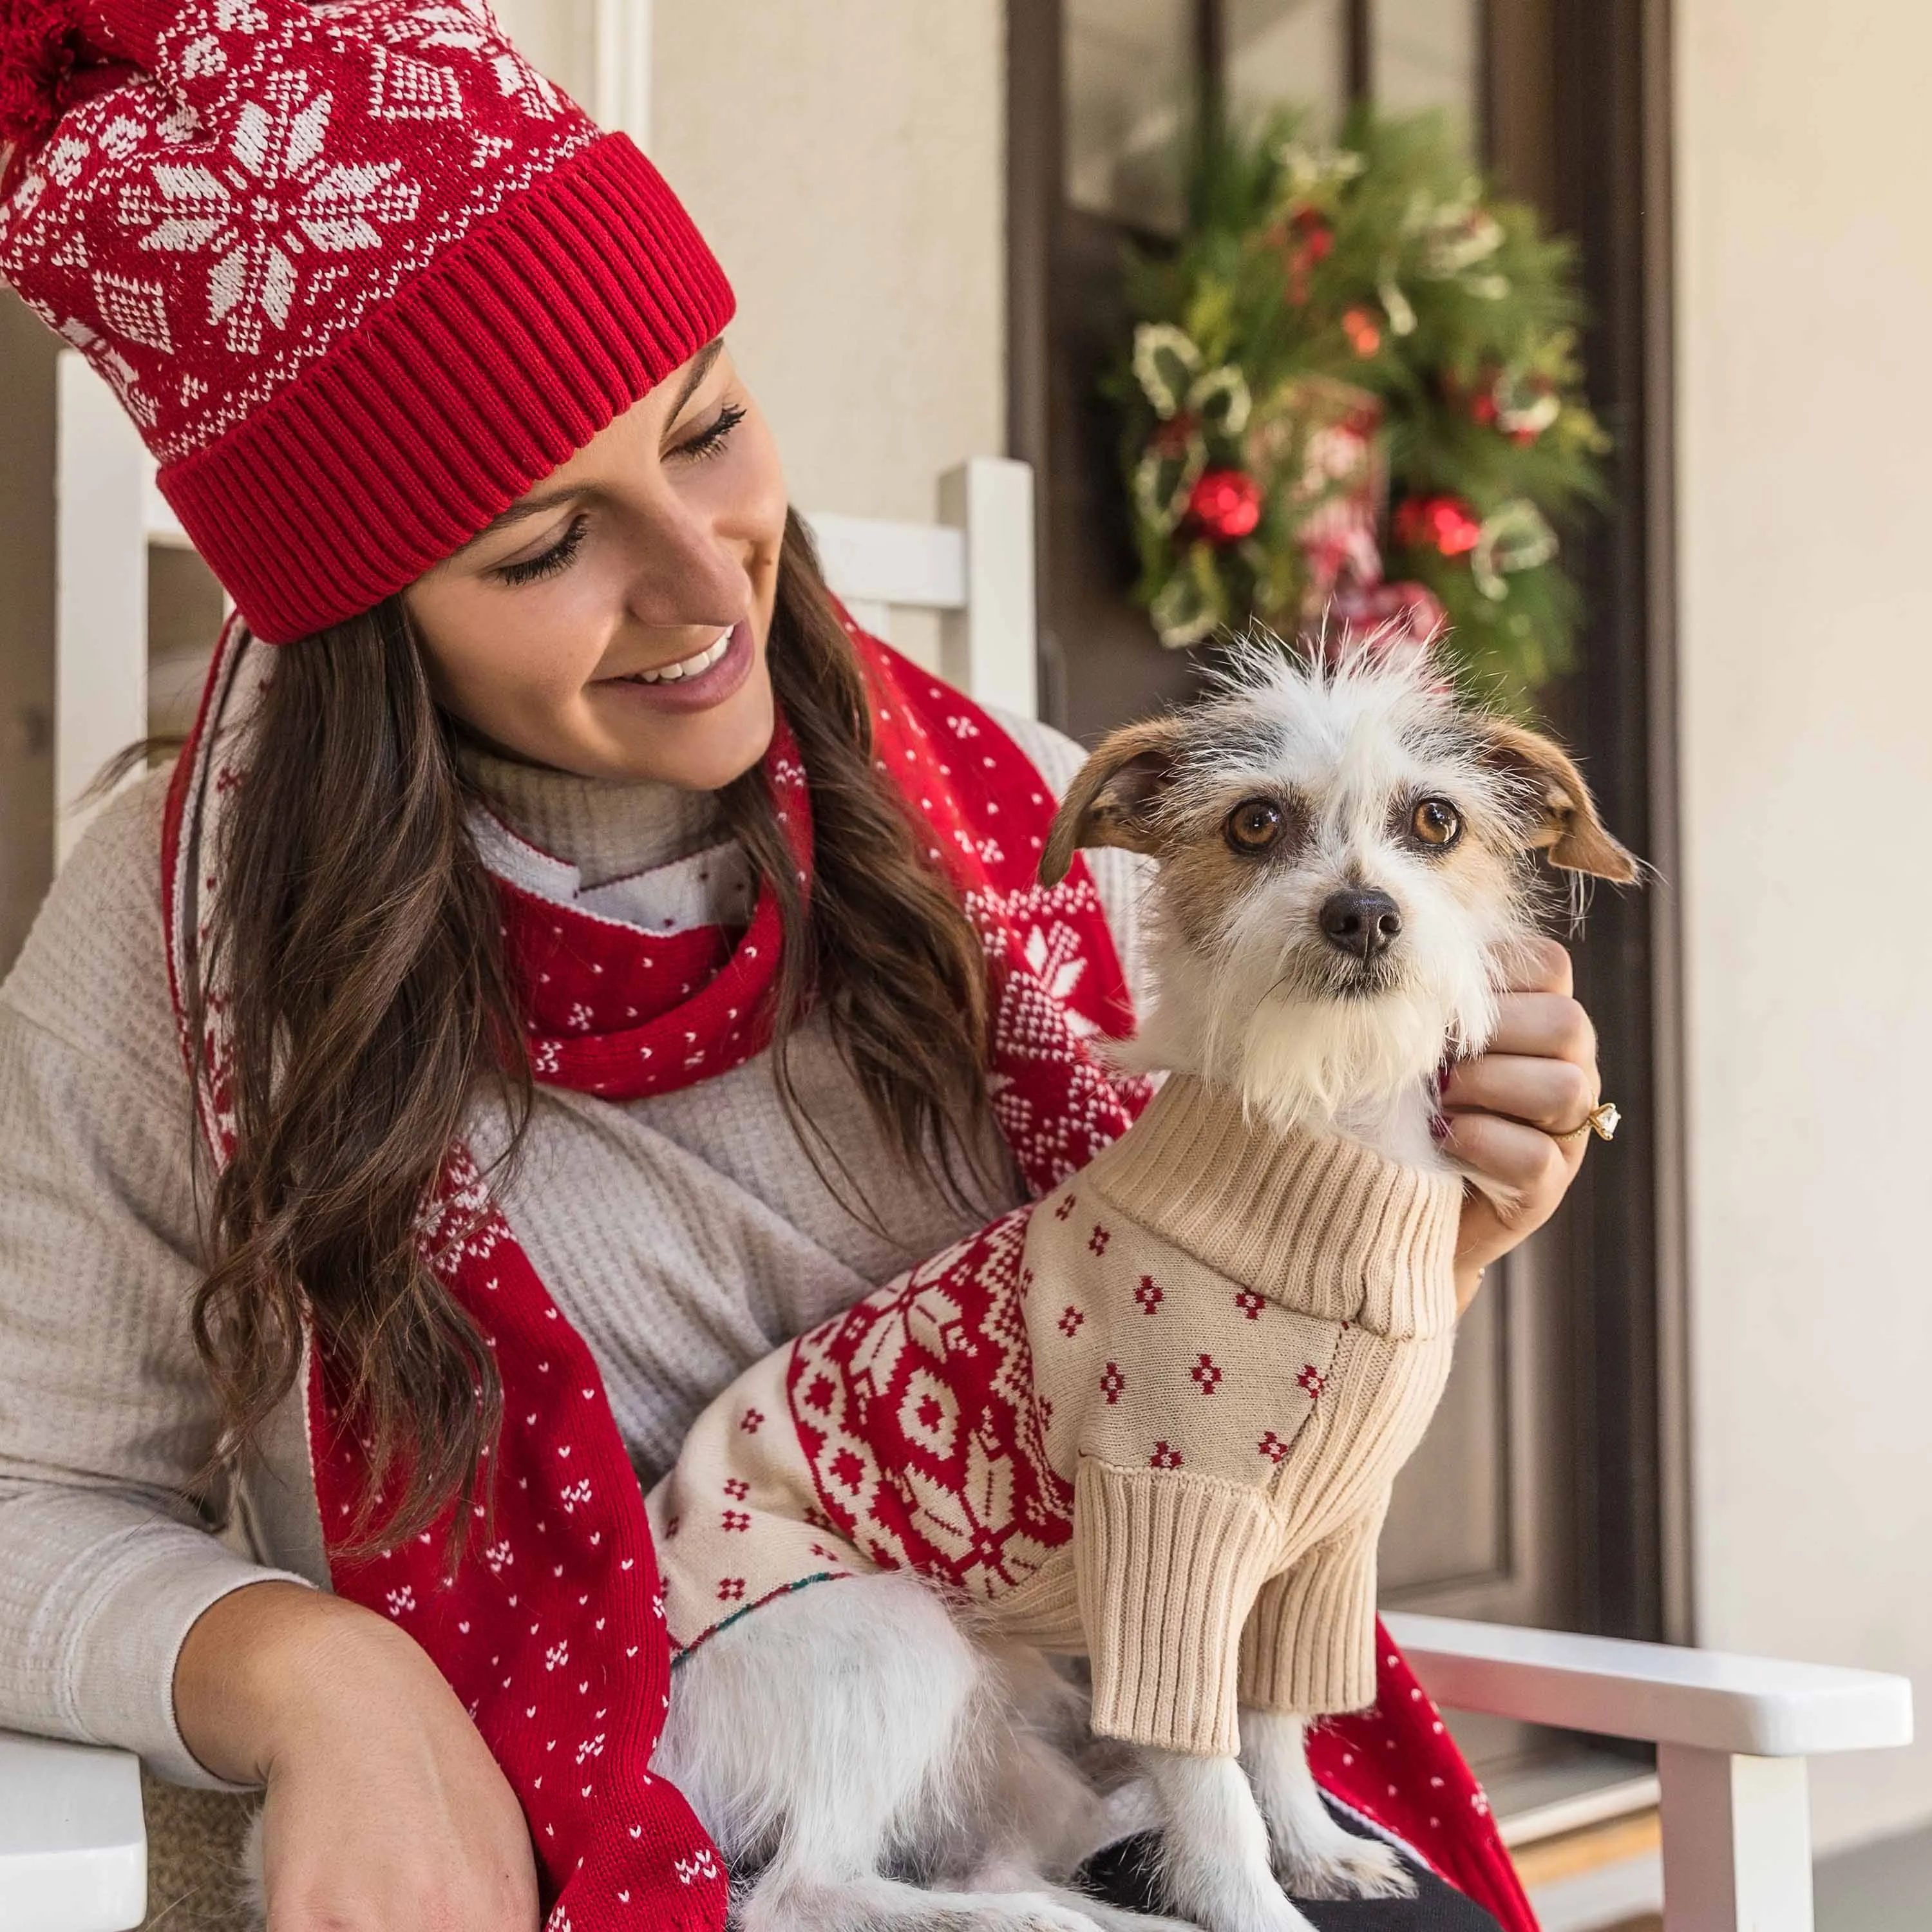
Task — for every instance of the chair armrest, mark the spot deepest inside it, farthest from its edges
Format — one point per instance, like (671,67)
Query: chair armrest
(73,1849)
(1749,1706)
(1732,1735)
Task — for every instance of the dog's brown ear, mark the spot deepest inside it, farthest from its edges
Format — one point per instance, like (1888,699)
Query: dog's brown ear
(1107,803)
(1567,826)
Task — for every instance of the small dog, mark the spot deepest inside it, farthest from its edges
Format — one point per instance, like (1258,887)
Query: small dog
(1345,880)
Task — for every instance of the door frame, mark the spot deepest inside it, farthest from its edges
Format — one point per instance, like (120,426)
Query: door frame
(1576,100)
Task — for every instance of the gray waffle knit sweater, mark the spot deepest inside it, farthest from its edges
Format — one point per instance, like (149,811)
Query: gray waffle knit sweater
(685,1237)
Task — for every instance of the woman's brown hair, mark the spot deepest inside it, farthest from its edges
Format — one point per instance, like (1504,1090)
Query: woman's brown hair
(359,945)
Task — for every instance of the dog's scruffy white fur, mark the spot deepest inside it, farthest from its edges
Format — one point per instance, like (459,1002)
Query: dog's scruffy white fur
(866,1759)
(868,1762)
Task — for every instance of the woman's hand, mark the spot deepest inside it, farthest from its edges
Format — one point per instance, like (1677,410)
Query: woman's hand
(385,1812)
(1504,1108)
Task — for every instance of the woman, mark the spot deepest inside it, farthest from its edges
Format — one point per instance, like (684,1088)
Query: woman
(534,742)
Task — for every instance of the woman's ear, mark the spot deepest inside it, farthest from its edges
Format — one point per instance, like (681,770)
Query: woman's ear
(1563,819)
(1109,802)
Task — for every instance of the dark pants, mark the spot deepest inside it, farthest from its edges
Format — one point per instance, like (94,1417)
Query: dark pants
(1122,1874)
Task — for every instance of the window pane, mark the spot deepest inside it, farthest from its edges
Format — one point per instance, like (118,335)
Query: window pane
(1287,53)
(1426,55)
(1129,94)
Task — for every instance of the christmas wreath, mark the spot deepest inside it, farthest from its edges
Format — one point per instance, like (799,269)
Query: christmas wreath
(1353,397)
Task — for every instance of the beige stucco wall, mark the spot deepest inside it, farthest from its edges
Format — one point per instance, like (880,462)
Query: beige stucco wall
(847,163)
(845,158)
(1804,151)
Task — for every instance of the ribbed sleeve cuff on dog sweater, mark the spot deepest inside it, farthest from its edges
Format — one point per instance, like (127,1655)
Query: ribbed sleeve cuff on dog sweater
(1224,1575)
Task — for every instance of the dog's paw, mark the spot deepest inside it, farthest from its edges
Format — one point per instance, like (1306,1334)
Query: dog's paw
(1345,1867)
(1230,1895)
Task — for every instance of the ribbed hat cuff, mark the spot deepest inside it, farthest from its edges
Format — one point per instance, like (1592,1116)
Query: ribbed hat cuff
(476,379)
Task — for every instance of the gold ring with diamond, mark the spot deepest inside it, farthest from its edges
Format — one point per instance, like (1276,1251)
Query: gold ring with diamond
(1603,1121)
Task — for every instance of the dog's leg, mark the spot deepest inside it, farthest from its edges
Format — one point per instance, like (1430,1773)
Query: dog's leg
(1314,1857)
(838,1734)
(1215,1870)
(1053,1821)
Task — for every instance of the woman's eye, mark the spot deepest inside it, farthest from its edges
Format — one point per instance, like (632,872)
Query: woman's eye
(714,435)
(1254,825)
(1437,822)
(557,557)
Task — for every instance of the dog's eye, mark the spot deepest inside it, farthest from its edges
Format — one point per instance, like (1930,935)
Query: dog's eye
(1254,825)
(1437,822)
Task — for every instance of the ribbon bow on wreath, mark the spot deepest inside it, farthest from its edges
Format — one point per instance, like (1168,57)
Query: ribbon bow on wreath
(1174,485)
(1192,404)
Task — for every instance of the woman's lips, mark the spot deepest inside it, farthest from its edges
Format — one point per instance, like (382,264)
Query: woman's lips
(697,692)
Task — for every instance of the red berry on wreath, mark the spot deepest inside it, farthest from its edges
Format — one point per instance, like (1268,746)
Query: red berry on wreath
(1305,242)
(1444,524)
(1364,334)
(1317,238)
(1224,505)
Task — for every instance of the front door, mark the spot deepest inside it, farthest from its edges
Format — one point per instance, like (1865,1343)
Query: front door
(1536,1498)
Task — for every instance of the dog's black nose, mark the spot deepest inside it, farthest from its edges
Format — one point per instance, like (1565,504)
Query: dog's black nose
(1363,923)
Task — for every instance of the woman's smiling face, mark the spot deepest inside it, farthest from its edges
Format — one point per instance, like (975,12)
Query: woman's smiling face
(613,622)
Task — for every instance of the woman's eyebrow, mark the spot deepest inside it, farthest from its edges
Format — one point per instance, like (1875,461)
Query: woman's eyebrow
(699,368)
(530,506)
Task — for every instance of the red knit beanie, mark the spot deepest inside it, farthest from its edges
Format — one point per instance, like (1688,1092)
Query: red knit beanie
(358,273)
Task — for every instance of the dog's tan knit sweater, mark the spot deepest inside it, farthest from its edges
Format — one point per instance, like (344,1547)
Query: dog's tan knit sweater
(1213,1348)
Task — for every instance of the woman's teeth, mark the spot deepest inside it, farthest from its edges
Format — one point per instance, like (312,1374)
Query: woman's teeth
(688,666)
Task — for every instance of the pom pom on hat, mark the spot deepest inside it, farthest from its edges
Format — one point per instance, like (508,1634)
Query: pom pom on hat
(39,47)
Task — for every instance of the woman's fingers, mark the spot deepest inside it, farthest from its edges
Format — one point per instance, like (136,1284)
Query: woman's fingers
(1552,1094)
(1551,1025)
(1504,1108)
(1523,1161)
(1543,966)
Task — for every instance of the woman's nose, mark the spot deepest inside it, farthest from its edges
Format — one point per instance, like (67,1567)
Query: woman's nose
(687,572)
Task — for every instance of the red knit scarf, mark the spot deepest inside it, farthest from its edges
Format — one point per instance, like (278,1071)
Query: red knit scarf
(552,1632)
